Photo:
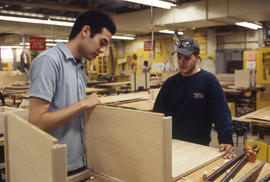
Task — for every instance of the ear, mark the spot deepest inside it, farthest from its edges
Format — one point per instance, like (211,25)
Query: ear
(86,31)
(198,58)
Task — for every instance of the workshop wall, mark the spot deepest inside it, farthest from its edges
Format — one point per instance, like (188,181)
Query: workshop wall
(238,40)
(130,56)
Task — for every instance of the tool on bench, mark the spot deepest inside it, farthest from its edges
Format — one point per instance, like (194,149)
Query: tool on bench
(266,178)
(249,154)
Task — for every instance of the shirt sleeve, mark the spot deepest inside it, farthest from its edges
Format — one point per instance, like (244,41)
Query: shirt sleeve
(161,102)
(220,113)
(158,102)
(43,78)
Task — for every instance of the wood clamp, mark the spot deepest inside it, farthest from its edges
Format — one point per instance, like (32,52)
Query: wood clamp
(248,154)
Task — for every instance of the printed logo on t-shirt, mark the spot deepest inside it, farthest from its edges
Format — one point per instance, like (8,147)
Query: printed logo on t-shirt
(198,95)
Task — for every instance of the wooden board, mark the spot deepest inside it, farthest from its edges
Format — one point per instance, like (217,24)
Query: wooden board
(111,84)
(129,145)
(124,97)
(3,111)
(96,90)
(245,78)
(252,174)
(144,105)
(262,114)
(32,155)
(210,168)
(188,157)
(265,171)
(141,80)
(259,117)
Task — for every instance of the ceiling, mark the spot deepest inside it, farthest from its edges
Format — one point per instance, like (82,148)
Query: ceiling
(187,15)
(72,8)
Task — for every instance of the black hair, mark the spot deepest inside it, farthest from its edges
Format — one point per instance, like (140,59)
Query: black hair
(196,51)
(97,20)
(145,63)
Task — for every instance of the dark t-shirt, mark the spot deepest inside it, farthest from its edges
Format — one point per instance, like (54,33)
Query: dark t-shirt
(195,102)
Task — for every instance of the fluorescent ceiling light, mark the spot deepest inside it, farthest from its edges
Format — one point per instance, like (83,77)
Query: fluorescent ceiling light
(155,3)
(123,37)
(38,21)
(47,44)
(13,47)
(56,40)
(170,32)
(249,25)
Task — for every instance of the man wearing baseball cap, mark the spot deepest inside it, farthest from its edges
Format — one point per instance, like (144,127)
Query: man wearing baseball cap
(195,99)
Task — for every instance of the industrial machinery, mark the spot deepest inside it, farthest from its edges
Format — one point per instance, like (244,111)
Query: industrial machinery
(260,60)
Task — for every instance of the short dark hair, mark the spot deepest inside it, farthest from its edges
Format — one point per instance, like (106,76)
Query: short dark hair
(97,20)
(145,63)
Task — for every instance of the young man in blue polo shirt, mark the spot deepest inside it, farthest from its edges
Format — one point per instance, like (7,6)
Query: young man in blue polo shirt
(195,100)
(58,82)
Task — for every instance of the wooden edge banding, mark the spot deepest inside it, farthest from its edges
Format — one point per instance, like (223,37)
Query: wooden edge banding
(59,163)
(6,148)
(167,149)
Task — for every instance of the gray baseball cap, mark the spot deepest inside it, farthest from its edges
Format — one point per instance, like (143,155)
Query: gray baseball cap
(187,47)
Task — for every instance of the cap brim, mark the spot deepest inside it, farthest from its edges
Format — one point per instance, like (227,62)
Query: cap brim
(183,51)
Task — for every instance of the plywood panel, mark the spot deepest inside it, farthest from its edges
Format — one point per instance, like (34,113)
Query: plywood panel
(3,111)
(188,157)
(129,145)
(31,154)
(144,105)
(124,97)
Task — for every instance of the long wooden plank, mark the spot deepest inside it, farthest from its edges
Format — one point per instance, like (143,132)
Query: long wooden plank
(188,157)
(31,154)
(129,145)
(124,97)
(253,174)
(144,105)
(265,171)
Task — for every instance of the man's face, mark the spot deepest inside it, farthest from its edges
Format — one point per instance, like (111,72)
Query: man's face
(187,64)
(92,47)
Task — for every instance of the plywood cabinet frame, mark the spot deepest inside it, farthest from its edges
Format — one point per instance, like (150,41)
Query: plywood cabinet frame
(121,145)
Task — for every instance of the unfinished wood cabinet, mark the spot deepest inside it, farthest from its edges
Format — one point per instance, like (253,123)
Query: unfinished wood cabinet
(121,145)
(31,154)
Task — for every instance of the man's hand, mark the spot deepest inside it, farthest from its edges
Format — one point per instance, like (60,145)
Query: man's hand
(91,101)
(229,151)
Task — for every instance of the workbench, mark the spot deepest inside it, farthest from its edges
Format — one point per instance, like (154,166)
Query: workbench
(116,86)
(244,98)
(95,90)
(259,121)
(122,147)
(95,82)
(197,175)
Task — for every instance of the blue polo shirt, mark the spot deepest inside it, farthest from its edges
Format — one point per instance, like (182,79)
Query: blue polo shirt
(58,78)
